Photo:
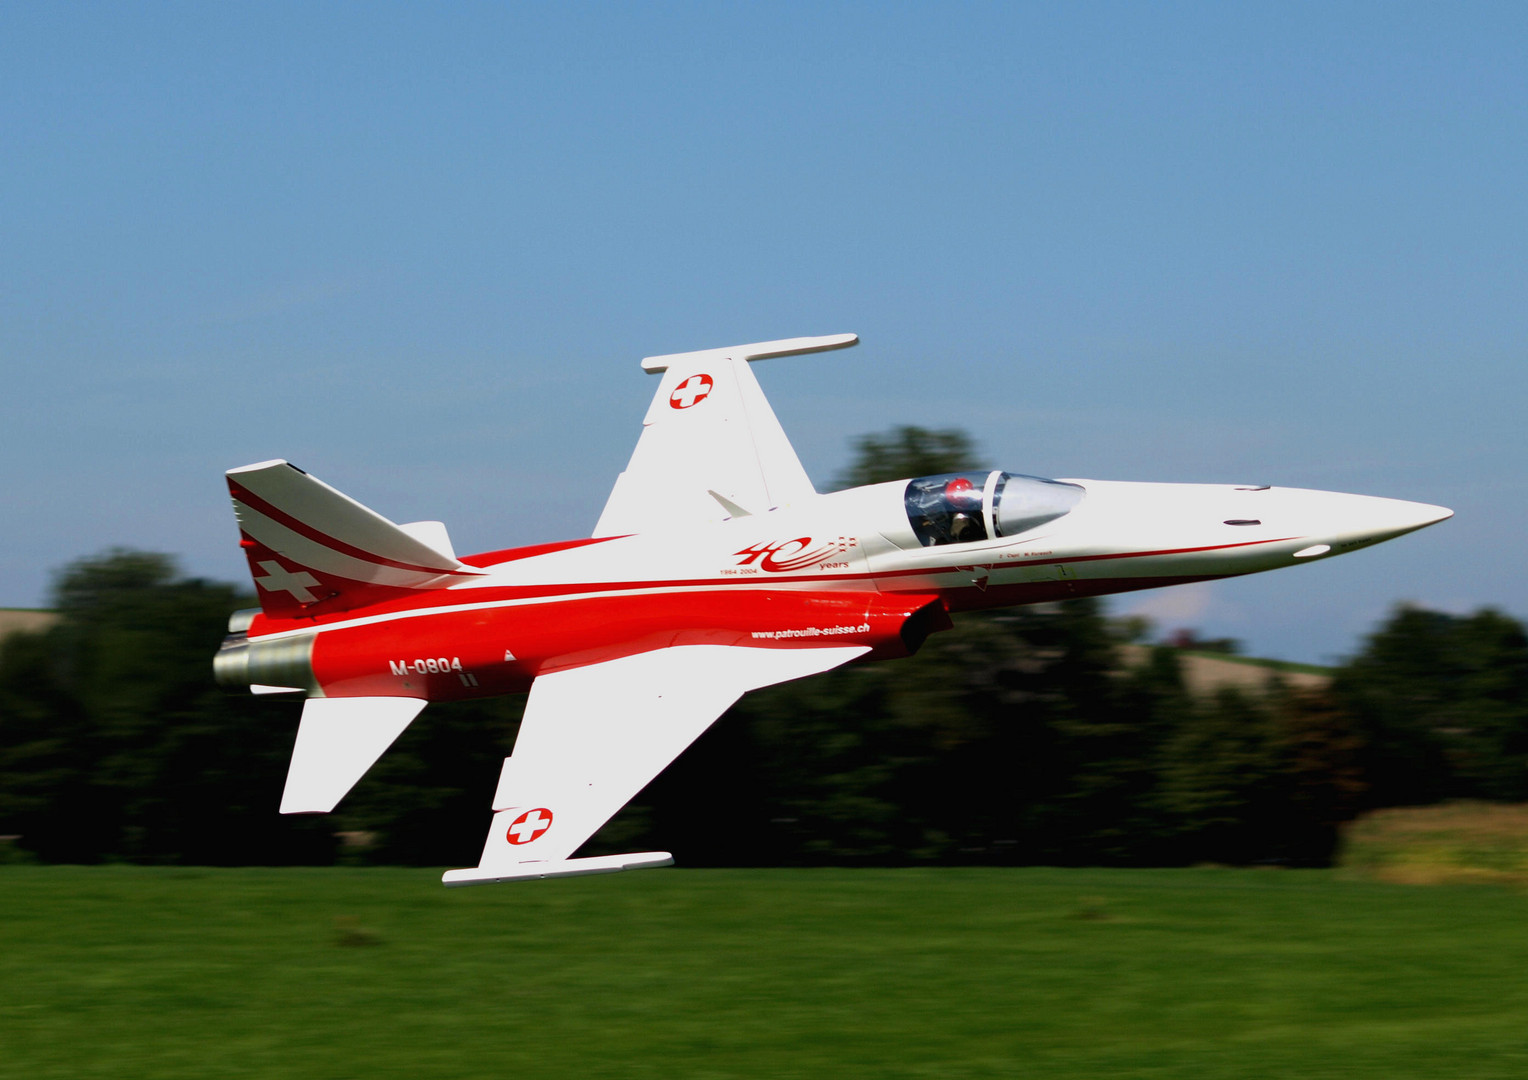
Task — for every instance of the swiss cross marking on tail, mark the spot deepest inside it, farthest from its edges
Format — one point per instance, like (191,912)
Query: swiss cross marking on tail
(280,580)
(692,391)
(529,825)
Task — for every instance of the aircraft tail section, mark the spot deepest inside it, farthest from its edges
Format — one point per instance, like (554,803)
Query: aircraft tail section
(313,550)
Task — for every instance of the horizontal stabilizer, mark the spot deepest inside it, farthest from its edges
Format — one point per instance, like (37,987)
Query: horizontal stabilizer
(338,740)
(604,864)
(313,549)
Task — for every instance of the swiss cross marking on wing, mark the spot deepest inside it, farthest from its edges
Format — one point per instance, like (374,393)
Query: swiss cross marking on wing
(529,825)
(692,391)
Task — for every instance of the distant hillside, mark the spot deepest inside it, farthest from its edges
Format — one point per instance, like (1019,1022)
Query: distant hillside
(27,619)
(1434,845)
(1207,672)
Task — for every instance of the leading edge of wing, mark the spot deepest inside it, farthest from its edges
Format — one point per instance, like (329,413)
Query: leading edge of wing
(593,737)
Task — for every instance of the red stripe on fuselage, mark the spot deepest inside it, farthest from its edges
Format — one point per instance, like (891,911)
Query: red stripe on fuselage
(447,598)
(449,655)
(503,649)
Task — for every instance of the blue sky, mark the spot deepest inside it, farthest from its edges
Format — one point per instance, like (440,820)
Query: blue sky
(419,250)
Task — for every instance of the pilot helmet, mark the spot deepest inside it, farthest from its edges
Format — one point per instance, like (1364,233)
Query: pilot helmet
(961,494)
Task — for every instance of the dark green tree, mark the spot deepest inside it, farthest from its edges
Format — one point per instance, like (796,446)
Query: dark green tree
(114,741)
(908,451)
(1441,704)
(1322,784)
(427,801)
(1259,778)
(1218,777)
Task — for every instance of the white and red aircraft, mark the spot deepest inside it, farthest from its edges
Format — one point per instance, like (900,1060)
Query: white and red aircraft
(716,568)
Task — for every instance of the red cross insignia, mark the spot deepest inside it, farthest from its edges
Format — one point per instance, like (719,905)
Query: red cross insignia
(692,391)
(529,825)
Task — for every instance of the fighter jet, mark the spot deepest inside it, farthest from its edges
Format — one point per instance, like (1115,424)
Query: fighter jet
(716,568)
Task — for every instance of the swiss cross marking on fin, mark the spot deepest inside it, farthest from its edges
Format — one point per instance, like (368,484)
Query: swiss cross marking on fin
(529,825)
(692,391)
(278,579)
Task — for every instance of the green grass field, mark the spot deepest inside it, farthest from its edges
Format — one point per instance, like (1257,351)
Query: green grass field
(127,972)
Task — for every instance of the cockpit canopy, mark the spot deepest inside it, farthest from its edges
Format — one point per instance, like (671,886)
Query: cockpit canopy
(957,508)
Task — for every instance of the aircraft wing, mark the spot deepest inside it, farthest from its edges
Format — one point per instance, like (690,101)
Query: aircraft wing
(594,736)
(710,447)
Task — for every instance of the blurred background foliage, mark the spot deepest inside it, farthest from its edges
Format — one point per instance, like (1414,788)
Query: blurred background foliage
(1047,734)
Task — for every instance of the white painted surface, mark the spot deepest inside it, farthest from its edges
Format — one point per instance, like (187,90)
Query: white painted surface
(593,737)
(337,741)
(604,864)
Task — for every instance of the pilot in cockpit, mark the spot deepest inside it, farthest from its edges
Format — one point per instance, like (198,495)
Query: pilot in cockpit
(951,508)
(964,500)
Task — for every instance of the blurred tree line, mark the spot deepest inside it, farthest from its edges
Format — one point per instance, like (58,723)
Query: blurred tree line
(1019,737)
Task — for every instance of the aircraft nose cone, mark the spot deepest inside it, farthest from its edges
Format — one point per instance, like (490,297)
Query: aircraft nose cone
(1338,523)
(1385,518)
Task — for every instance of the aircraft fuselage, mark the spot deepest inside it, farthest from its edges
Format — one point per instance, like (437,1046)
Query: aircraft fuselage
(843,569)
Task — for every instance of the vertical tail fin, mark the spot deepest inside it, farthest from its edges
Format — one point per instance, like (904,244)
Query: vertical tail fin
(313,550)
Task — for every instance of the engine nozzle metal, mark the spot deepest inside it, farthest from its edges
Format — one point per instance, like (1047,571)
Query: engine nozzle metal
(286,662)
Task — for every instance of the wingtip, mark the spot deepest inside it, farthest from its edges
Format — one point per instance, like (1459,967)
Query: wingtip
(259,465)
(535,871)
(758,350)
